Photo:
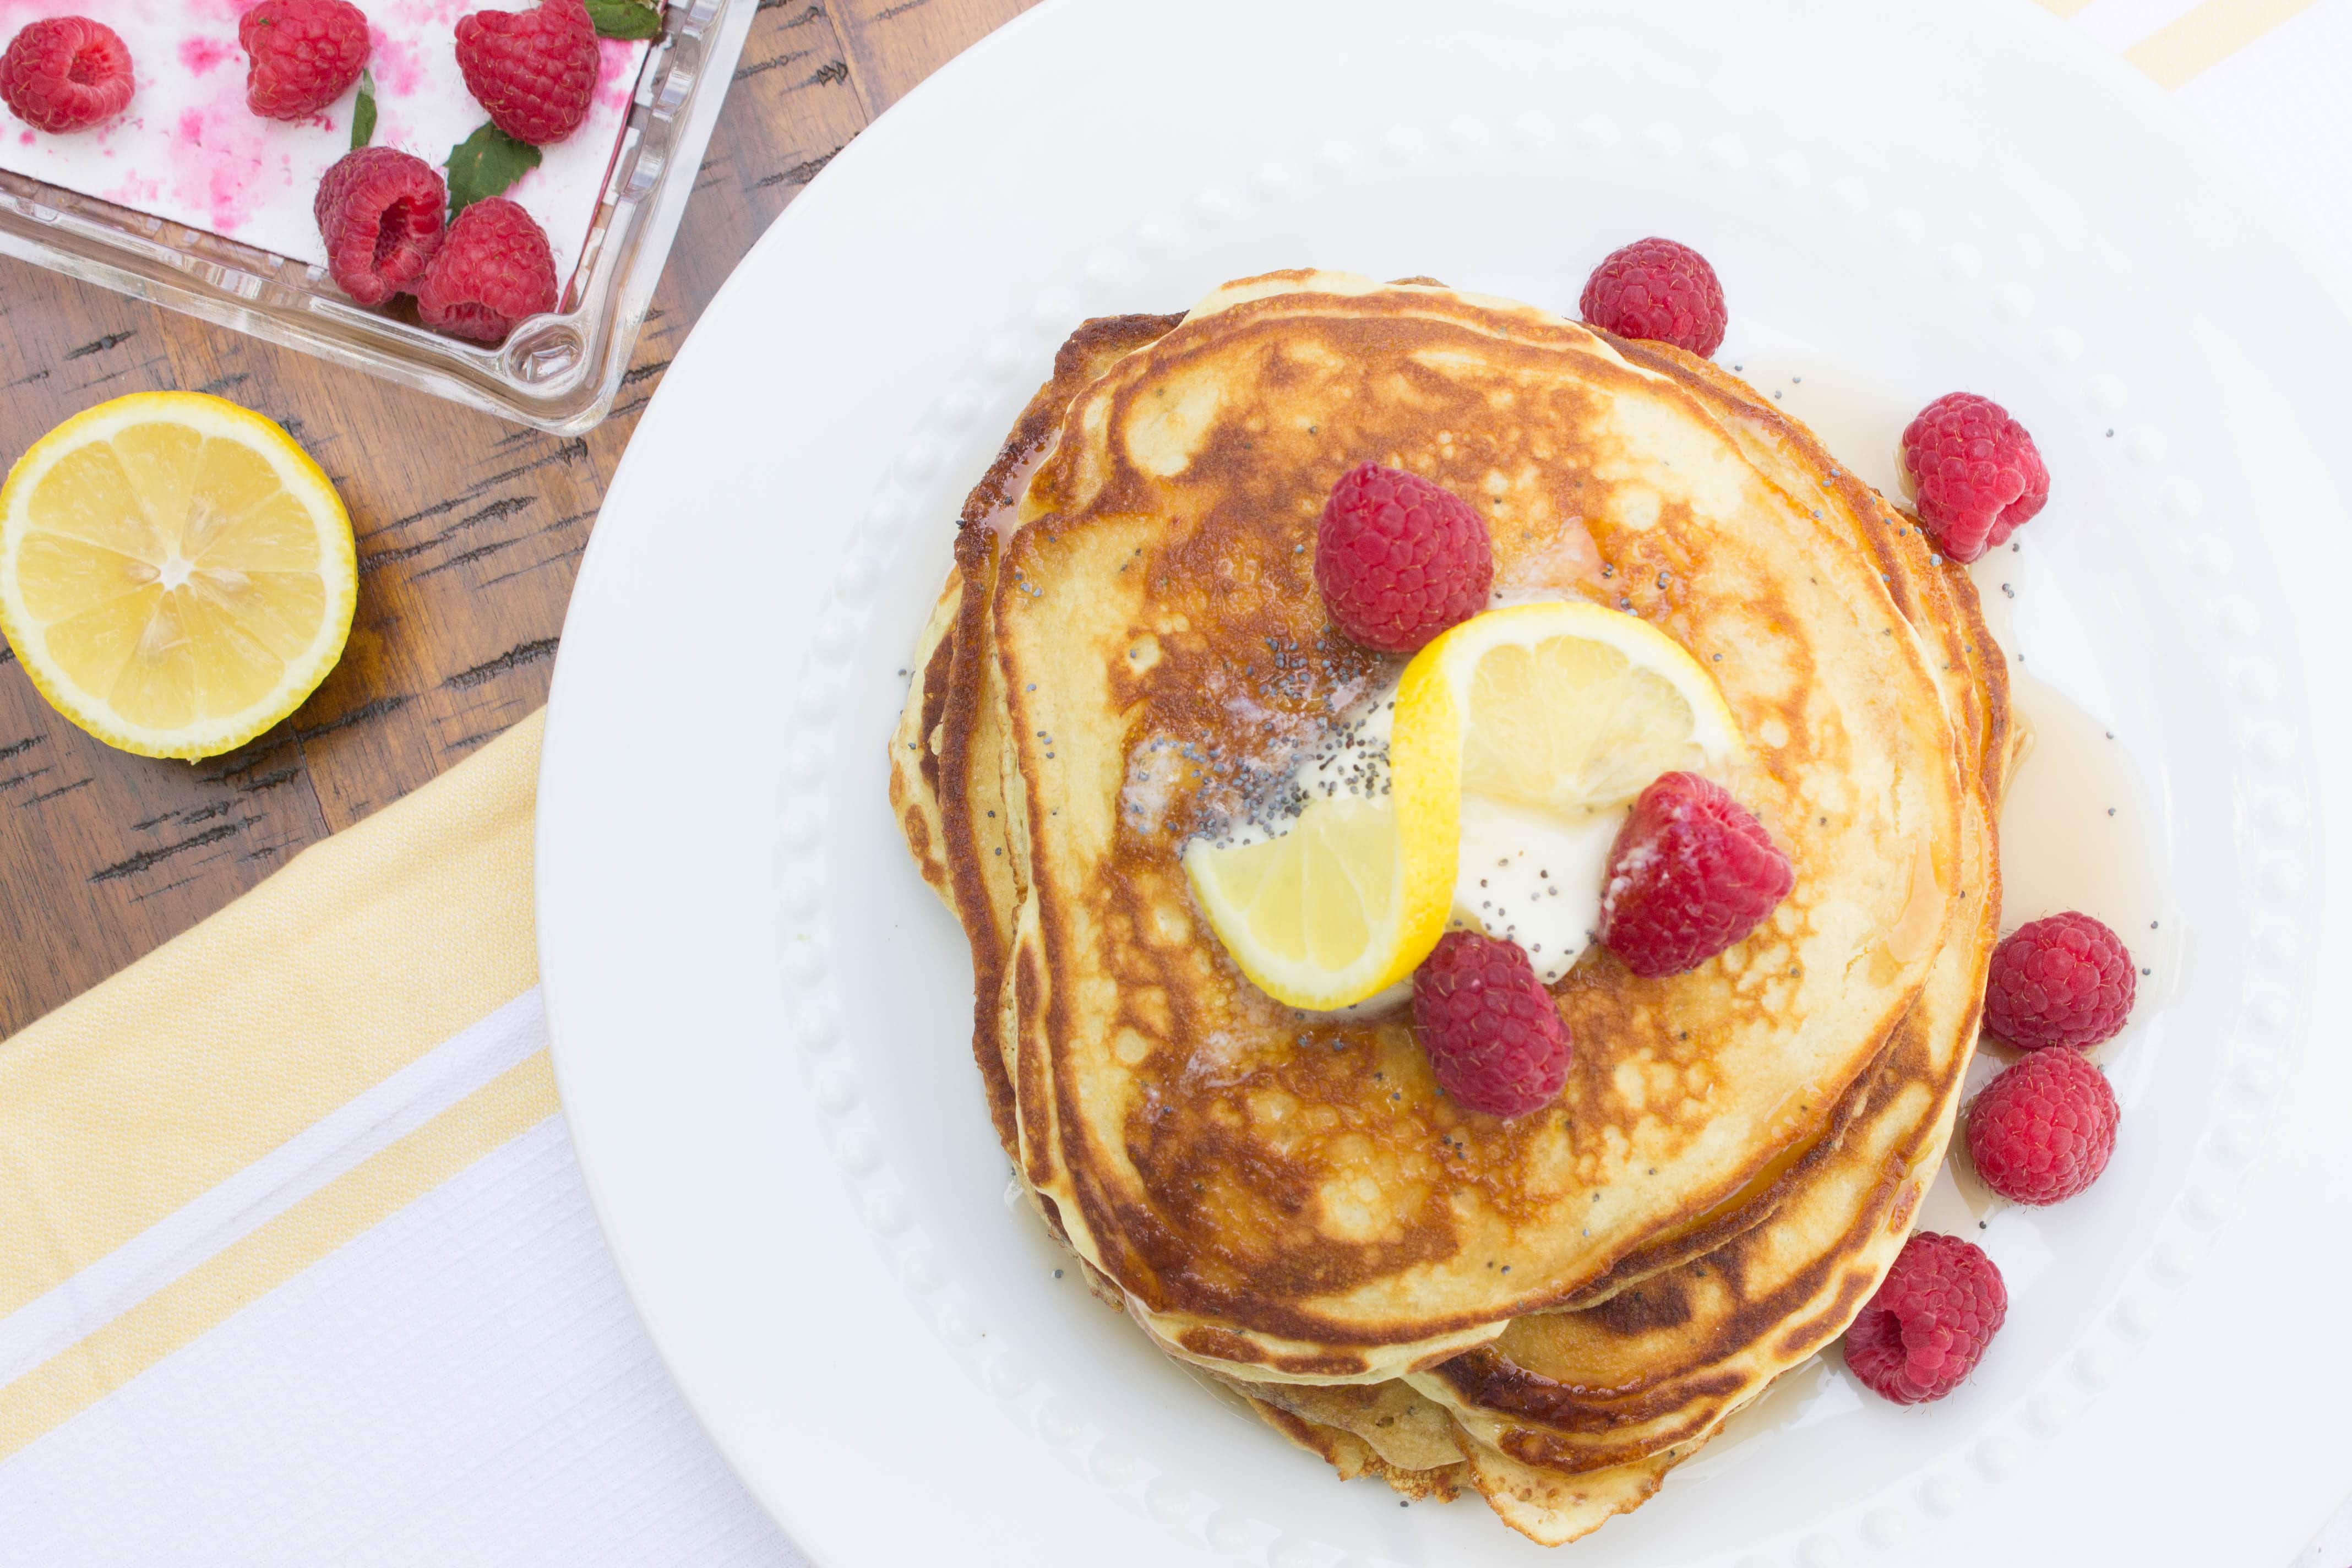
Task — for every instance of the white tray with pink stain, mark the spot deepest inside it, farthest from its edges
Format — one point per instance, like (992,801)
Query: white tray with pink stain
(190,199)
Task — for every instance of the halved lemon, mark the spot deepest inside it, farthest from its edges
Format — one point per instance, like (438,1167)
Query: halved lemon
(176,574)
(1567,710)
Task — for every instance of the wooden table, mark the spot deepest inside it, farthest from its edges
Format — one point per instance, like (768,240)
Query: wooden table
(469,531)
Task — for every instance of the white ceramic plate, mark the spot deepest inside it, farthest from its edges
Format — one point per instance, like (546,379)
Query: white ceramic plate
(760,1015)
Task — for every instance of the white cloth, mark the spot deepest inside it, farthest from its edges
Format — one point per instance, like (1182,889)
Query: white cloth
(463,1384)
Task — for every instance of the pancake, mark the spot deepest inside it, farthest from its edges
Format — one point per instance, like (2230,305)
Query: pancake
(947,753)
(1649,1376)
(1287,1194)
(1607,1400)
(914,751)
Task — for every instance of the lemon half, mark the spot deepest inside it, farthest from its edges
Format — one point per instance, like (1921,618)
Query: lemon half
(176,574)
(1567,710)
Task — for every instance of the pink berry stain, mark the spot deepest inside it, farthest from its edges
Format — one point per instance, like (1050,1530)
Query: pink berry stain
(198,56)
(396,66)
(218,163)
(615,83)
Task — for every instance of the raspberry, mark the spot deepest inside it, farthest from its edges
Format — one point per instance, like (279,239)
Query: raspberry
(304,55)
(1494,1040)
(494,269)
(534,70)
(2043,1129)
(379,210)
(1975,471)
(1691,873)
(1928,1325)
(2065,981)
(1399,559)
(66,73)
(1657,290)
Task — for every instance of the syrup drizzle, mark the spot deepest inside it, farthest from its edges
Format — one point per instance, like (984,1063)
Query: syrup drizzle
(2078,827)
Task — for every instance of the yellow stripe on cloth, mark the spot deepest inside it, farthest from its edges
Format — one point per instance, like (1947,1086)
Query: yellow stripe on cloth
(361,1198)
(2207,36)
(365,951)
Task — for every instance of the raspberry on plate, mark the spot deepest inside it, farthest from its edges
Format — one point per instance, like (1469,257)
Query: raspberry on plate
(66,73)
(1493,1038)
(494,268)
(1927,1327)
(303,55)
(1975,472)
(2044,1129)
(1399,559)
(379,212)
(533,70)
(1658,290)
(2064,981)
(1691,874)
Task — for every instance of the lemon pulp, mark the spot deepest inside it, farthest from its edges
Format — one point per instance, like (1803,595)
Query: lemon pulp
(176,575)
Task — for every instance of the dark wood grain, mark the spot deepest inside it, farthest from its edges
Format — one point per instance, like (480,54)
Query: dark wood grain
(469,531)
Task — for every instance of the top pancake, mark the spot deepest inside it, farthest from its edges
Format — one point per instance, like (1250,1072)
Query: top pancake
(1568,1417)
(1290,1192)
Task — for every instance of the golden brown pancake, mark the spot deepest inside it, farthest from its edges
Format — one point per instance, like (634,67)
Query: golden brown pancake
(1654,1372)
(1289,1192)
(1568,1416)
(946,754)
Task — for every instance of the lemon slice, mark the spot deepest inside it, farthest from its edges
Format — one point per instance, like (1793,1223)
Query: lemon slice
(1564,708)
(176,574)
(1553,713)
(1347,902)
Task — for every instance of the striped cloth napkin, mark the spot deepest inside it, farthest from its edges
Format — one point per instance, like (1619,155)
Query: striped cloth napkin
(299,1269)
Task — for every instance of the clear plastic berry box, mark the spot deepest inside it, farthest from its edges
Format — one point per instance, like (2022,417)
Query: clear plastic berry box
(558,372)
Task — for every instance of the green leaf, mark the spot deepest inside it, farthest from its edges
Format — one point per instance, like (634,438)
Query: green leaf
(363,112)
(626,18)
(485,164)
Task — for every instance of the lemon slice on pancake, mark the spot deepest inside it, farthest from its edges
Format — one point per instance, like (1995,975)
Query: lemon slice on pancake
(176,575)
(1343,905)
(1566,710)
(1563,707)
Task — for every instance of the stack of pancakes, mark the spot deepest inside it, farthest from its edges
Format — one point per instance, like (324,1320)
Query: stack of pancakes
(1130,650)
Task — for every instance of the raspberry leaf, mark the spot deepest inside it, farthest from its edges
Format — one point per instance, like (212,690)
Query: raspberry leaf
(484,164)
(363,112)
(626,18)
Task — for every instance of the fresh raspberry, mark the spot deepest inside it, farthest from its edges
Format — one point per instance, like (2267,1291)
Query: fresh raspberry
(1494,1040)
(1691,873)
(1657,290)
(1928,1325)
(2043,1129)
(494,269)
(66,73)
(1399,559)
(304,55)
(2065,981)
(379,210)
(1975,471)
(534,70)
